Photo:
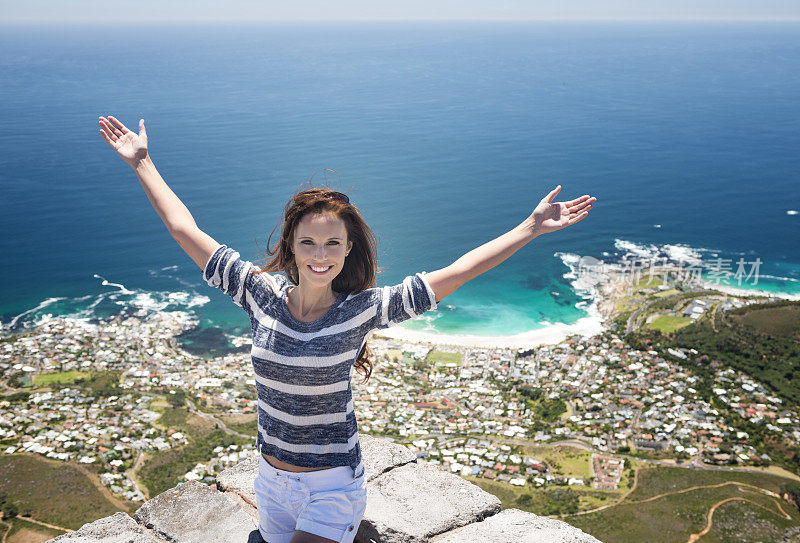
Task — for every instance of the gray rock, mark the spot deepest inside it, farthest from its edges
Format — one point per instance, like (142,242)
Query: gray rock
(515,526)
(196,513)
(412,503)
(380,455)
(240,479)
(118,528)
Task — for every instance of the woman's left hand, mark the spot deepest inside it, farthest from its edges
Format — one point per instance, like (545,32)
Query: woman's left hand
(550,216)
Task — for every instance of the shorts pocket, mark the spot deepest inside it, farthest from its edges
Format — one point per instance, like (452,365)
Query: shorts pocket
(335,514)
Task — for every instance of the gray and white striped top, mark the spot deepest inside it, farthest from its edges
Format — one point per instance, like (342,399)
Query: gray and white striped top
(303,369)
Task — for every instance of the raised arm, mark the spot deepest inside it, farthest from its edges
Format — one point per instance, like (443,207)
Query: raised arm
(132,148)
(548,217)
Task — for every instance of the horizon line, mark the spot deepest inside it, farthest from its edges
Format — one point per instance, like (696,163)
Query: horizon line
(414,20)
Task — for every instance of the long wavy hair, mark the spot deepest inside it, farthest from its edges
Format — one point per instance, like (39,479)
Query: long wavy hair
(360,267)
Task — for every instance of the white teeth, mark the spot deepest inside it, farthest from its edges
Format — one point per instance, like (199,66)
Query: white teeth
(320,269)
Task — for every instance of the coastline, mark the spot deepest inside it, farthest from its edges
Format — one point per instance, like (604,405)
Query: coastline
(602,285)
(549,335)
(602,289)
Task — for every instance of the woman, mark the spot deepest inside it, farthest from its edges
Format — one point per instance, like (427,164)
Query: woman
(310,329)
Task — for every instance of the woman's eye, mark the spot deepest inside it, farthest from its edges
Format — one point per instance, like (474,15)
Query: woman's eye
(309,242)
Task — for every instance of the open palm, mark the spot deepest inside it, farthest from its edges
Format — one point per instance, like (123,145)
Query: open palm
(132,147)
(550,216)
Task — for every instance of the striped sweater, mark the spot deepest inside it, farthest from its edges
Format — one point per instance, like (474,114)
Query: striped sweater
(303,369)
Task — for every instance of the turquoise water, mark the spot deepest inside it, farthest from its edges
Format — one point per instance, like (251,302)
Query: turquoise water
(445,135)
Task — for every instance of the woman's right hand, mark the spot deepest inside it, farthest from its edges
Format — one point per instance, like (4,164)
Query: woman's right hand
(130,146)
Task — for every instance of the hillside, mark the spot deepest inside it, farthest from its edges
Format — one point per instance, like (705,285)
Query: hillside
(763,340)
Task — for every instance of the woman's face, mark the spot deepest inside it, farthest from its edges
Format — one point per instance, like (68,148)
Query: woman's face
(320,246)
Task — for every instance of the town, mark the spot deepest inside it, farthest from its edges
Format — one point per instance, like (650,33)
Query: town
(86,392)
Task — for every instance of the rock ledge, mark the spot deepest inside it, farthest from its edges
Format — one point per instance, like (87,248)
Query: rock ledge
(408,501)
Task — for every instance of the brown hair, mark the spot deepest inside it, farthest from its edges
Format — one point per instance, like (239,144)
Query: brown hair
(359,269)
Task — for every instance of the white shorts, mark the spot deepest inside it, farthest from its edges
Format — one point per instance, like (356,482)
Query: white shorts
(328,502)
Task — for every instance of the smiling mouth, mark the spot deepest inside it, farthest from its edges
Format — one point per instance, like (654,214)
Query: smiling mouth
(319,270)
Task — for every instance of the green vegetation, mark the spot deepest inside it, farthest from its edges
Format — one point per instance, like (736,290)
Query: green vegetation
(17,397)
(544,409)
(178,399)
(668,302)
(61,378)
(665,293)
(441,357)
(8,507)
(648,282)
(763,342)
(777,318)
(21,530)
(566,461)
(163,470)
(395,354)
(103,383)
(553,500)
(668,324)
(54,492)
(244,424)
(654,481)
(792,488)
(676,515)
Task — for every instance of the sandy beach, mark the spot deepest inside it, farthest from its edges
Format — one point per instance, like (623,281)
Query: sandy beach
(605,289)
(549,335)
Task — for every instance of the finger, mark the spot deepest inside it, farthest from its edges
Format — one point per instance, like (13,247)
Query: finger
(579,218)
(108,130)
(549,197)
(581,206)
(582,210)
(142,133)
(121,126)
(580,200)
(113,130)
(114,144)
(108,140)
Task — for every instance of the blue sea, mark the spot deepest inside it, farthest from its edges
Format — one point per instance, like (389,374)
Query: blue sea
(445,135)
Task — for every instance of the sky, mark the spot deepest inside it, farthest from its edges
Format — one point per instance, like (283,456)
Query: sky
(354,10)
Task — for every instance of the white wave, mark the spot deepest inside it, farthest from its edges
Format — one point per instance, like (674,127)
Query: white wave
(42,305)
(646,251)
(778,277)
(677,253)
(198,300)
(173,268)
(588,274)
(680,253)
(428,320)
(108,283)
(738,291)
(177,297)
(98,300)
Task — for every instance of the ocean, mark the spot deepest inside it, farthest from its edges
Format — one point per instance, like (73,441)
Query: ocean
(445,135)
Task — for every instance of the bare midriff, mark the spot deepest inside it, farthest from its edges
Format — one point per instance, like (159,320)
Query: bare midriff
(275,463)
